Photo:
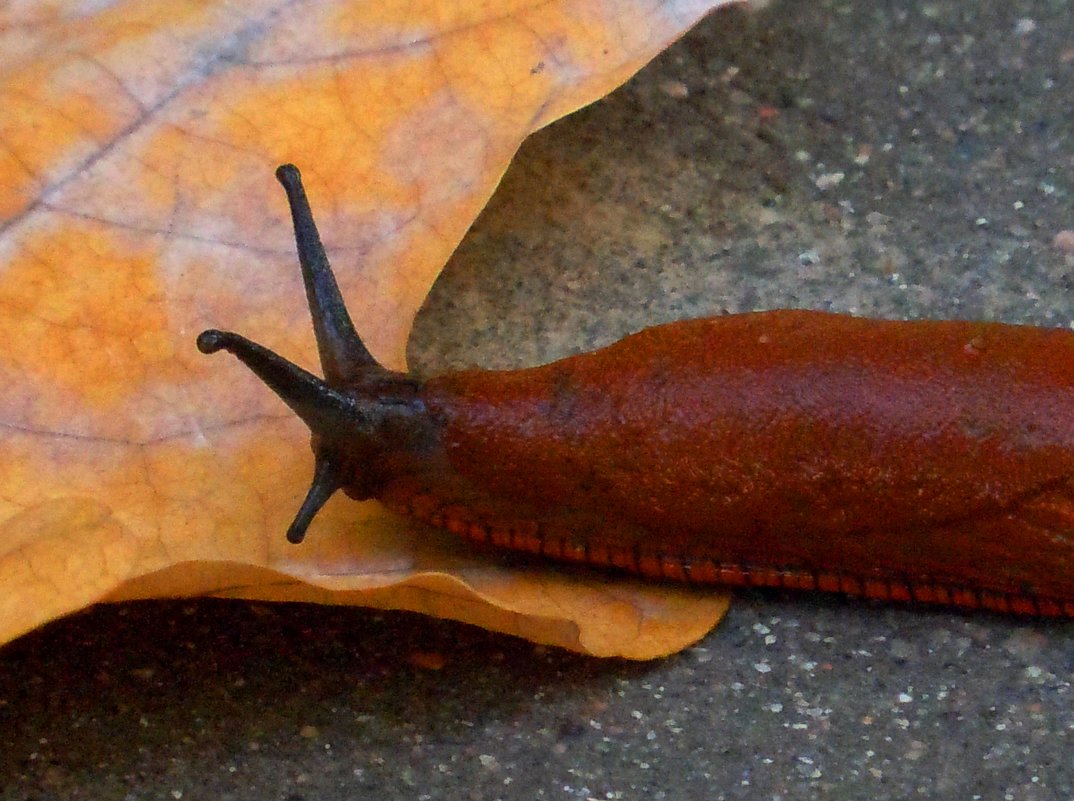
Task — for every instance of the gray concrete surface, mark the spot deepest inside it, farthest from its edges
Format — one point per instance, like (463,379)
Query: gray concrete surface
(897,159)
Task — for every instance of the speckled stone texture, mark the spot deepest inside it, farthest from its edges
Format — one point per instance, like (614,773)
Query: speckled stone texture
(897,159)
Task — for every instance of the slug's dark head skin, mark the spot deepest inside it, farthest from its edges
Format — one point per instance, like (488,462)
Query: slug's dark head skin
(367,422)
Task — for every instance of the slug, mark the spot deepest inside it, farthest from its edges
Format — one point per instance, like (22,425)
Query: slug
(928,461)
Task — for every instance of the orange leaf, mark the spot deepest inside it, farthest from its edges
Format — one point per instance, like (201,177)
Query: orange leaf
(138,206)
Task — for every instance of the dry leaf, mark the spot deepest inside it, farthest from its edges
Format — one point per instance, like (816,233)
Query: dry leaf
(138,206)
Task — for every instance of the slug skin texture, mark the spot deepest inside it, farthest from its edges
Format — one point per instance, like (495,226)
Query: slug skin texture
(930,452)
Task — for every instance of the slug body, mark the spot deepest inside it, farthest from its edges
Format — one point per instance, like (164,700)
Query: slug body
(929,461)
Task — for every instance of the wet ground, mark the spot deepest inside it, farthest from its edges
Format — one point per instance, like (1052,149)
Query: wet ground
(895,159)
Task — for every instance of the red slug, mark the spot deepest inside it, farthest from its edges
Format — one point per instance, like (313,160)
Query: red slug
(930,461)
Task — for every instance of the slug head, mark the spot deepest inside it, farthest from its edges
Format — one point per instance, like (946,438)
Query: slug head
(365,421)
